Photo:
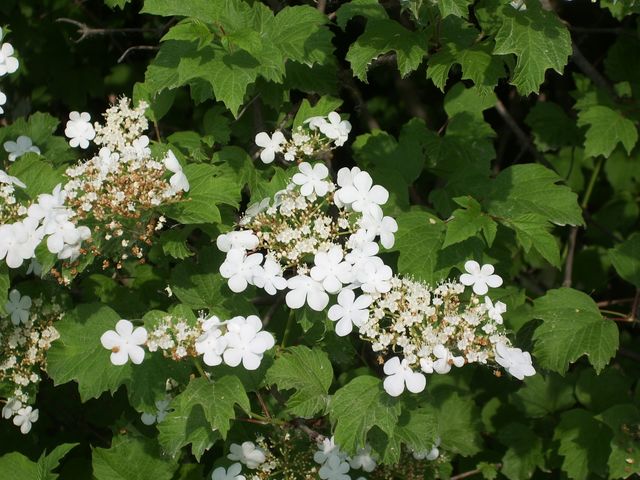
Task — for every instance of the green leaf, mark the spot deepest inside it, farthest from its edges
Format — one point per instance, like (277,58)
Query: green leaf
(309,373)
(5,283)
(363,8)
(551,126)
(417,429)
(39,176)
(572,327)
(624,460)
(209,187)
(384,36)
(526,189)
(208,11)
(539,40)
(174,243)
(542,396)
(599,392)
(524,453)
(584,444)
(79,356)
(22,468)
(131,458)
(116,3)
(459,8)
(626,259)
(606,128)
(359,406)
(533,231)
(321,108)
(459,425)
(465,223)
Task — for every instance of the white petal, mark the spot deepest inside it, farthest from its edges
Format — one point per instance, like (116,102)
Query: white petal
(394,385)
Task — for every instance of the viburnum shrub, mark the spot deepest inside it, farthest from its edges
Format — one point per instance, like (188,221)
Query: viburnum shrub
(246,240)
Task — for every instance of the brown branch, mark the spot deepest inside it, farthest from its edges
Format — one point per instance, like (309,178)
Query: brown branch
(590,71)
(361,107)
(475,471)
(85,31)
(568,268)
(321,5)
(313,435)
(634,307)
(606,303)
(134,48)
(522,137)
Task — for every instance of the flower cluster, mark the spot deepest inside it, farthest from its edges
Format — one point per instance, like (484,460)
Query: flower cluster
(108,207)
(239,340)
(8,64)
(321,238)
(336,464)
(25,336)
(316,136)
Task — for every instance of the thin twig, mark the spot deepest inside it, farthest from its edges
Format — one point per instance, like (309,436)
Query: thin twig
(634,307)
(313,435)
(134,48)
(519,133)
(590,71)
(568,267)
(361,107)
(263,405)
(321,5)
(618,301)
(475,471)
(85,31)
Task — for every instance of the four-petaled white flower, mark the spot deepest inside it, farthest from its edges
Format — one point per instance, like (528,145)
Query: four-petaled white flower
(22,145)
(400,376)
(211,344)
(18,307)
(349,311)
(480,277)
(376,224)
(363,459)
(269,277)
(24,418)
(239,268)
(9,180)
(495,310)
(306,289)
(238,240)
(326,449)
(79,130)
(178,180)
(270,145)
(232,473)
(246,342)
(334,128)
(8,62)
(362,194)
(375,276)
(162,410)
(514,360)
(429,455)
(3,101)
(335,468)
(125,342)
(11,408)
(18,241)
(311,179)
(443,363)
(331,270)
(247,453)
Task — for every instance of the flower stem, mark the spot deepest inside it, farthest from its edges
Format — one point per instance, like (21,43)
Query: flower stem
(287,329)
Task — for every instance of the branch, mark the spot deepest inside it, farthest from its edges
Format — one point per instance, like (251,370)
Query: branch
(85,31)
(590,71)
(475,471)
(137,47)
(568,268)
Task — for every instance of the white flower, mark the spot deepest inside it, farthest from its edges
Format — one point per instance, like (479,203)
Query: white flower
(311,179)
(141,146)
(239,268)
(443,363)
(238,240)
(362,195)
(18,241)
(35,268)
(178,180)
(331,270)
(79,129)
(400,375)
(269,277)
(71,251)
(254,209)
(3,101)
(65,233)
(212,345)
(375,276)
(162,409)
(480,277)
(495,311)
(335,128)
(363,459)
(306,289)
(335,468)
(327,449)
(430,455)
(11,408)
(24,418)
(246,342)
(8,63)
(514,360)
(375,224)
(22,145)
(362,251)
(270,145)
(349,311)
(124,343)
(247,453)
(9,180)
(18,307)
(232,473)
(50,210)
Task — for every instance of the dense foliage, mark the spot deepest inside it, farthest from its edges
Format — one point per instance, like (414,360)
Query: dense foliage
(322,239)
